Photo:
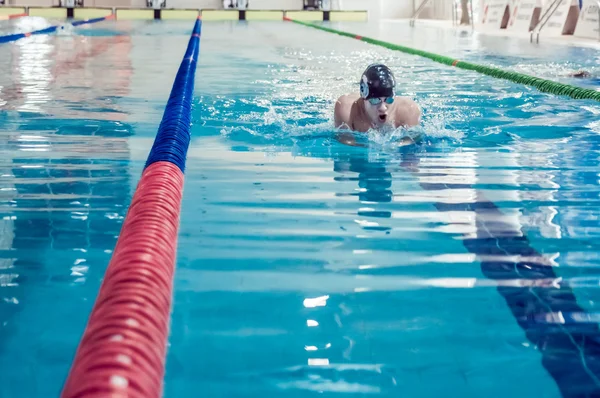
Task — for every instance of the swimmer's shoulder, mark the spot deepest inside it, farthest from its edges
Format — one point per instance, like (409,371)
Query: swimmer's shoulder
(348,99)
(406,101)
(408,112)
(344,104)
(344,110)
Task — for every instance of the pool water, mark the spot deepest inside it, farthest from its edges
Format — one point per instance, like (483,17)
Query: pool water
(465,265)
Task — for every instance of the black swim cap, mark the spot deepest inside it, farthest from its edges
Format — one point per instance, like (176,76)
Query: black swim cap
(377,81)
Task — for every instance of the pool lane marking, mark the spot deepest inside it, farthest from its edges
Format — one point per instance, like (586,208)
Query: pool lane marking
(543,305)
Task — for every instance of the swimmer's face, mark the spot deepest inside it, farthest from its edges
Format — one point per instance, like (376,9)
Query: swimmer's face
(378,109)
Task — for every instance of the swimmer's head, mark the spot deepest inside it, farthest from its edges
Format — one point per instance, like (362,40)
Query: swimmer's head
(377,88)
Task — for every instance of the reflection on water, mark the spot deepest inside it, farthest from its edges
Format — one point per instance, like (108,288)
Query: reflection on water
(50,74)
(64,190)
(63,199)
(373,180)
(373,185)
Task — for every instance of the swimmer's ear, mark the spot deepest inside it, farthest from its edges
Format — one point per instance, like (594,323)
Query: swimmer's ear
(364,87)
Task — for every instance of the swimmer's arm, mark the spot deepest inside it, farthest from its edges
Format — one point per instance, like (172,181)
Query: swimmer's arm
(338,114)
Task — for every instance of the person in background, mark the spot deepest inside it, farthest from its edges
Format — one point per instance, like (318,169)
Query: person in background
(580,74)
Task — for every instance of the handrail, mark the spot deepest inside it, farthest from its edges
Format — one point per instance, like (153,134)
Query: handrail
(544,19)
(417,12)
(540,20)
(557,3)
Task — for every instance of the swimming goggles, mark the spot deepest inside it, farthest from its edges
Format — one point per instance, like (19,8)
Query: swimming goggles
(377,101)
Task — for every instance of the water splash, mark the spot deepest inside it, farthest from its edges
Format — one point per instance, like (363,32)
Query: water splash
(292,120)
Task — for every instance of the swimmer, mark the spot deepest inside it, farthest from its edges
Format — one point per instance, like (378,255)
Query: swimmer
(589,77)
(376,107)
(580,74)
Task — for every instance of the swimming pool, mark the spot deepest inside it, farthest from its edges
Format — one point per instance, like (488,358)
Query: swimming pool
(305,266)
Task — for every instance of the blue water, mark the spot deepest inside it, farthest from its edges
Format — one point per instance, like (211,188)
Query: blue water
(465,265)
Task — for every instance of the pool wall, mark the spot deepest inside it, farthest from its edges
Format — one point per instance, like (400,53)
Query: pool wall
(83,13)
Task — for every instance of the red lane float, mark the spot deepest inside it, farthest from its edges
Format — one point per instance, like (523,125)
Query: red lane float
(123,349)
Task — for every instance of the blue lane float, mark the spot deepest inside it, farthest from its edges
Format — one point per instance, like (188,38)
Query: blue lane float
(173,137)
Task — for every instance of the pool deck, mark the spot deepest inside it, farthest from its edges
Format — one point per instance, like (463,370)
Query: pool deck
(568,40)
(11,12)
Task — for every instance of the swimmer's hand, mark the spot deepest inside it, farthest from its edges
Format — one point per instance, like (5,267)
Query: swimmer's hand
(347,139)
(405,141)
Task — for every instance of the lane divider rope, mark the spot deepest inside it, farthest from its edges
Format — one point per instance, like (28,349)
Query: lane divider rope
(12,16)
(50,29)
(122,352)
(543,85)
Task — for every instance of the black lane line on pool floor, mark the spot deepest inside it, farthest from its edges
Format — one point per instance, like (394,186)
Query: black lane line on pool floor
(544,306)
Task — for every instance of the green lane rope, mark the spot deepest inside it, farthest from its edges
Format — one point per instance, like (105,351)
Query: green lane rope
(543,85)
